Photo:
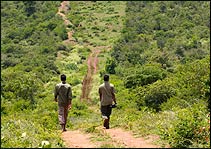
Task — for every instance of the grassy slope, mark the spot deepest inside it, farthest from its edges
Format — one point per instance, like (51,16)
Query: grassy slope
(26,129)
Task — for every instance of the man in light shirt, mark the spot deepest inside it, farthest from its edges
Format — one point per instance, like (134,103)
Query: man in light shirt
(107,97)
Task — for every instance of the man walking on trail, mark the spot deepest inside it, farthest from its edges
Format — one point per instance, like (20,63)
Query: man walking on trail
(107,97)
(63,94)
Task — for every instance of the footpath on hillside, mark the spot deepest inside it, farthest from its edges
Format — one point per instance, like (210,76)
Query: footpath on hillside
(78,139)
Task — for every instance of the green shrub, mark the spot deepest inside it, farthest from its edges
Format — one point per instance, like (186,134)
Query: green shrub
(75,81)
(21,105)
(190,128)
(110,66)
(80,105)
(158,95)
(143,76)
(61,32)
(71,66)
(22,86)
(10,62)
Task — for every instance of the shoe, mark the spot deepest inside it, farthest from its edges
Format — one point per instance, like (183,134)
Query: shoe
(113,106)
(104,117)
(64,130)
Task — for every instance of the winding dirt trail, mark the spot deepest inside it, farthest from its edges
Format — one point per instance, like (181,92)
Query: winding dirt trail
(92,69)
(63,9)
(92,63)
(92,60)
(78,139)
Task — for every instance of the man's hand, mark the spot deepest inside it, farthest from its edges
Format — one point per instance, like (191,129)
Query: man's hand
(69,106)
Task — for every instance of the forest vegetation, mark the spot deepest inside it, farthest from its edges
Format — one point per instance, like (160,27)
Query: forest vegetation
(159,64)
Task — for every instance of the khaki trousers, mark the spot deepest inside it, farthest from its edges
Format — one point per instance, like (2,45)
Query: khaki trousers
(63,112)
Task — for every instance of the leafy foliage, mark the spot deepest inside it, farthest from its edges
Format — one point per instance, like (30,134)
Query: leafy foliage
(163,60)
(141,76)
(164,32)
(190,129)
(188,85)
(159,66)
(29,44)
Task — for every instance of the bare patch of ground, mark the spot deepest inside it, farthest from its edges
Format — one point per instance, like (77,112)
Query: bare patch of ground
(129,141)
(119,137)
(76,139)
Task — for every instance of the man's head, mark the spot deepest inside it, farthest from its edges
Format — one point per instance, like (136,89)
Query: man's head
(63,77)
(106,77)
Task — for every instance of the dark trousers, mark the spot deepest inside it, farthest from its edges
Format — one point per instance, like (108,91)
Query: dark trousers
(106,111)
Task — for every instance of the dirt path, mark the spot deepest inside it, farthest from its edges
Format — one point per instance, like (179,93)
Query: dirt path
(92,63)
(77,139)
(92,60)
(129,141)
(119,137)
(63,9)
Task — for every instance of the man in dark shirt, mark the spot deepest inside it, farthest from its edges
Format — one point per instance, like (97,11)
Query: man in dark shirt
(63,95)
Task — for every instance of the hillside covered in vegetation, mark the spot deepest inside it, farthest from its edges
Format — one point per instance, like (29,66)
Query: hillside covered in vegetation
(163,58)
(156,52)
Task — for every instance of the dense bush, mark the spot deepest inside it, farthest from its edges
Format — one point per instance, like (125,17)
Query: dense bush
(110,65)
(190,129)
(143,75)
(61,32)
(173,31)
(187,86)
(18,85)
(153,96)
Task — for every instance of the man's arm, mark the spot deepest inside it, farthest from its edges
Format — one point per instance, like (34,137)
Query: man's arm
(69,93)
(114,98)
(70,98)
(113,95)
(55,94)
(70,104)
(100,94)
